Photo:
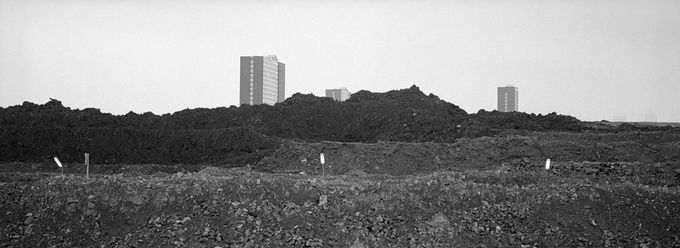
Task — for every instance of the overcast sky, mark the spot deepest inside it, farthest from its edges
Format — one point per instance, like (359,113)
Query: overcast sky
(604,59)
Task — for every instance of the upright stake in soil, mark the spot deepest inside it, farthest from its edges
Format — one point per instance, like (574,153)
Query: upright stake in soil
(59,164)
(87,165)
(323,169)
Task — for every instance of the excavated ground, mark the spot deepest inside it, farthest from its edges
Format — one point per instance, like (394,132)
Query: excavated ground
(405,158)
(403,169)
(603,190)
(575,204)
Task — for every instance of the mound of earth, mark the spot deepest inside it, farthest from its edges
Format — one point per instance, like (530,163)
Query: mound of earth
(406,158)
(398,115)
(485,123)
(33,133)
(235,147)
(243,135)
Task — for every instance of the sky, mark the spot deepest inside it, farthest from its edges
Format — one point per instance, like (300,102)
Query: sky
(606,59)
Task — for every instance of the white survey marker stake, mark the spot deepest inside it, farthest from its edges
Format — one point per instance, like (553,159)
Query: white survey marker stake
(58,163)
(547,164)
(321,158)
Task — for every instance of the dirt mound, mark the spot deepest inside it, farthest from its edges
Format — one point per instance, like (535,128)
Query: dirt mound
(412,95)
(485,123)
(299,98)
(33,133)
(149,146)
(403,115)
(36,132)
(405,158)
(398,115)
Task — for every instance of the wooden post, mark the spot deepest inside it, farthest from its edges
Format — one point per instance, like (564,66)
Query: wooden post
(323,168)
(87,165)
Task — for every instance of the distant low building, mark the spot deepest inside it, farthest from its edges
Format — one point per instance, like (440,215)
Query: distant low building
(339,95)
(508,99)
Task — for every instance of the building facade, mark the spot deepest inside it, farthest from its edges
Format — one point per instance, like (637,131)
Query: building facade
(339,95)
(263,80)
(508,99)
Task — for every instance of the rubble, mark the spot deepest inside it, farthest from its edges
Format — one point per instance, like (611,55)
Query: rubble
(526,153)
(472,207)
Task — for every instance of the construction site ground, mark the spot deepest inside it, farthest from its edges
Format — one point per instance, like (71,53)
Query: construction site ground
(610,189)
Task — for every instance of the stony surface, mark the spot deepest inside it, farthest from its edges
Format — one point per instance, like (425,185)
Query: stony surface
(408,158)
(239,208)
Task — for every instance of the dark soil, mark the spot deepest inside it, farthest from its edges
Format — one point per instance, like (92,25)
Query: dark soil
(401,158)
(123,145)
(238,208)
(34,133)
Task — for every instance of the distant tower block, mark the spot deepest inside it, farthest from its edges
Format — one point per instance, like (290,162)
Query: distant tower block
(263,80)
(339,95)
(508,99)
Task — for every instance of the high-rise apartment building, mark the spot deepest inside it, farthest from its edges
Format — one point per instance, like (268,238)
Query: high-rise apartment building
(340,94)
(508,99)
(263,80)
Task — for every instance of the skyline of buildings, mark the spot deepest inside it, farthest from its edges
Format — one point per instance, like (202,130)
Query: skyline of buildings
(508,99)
(262,81)
(339,94)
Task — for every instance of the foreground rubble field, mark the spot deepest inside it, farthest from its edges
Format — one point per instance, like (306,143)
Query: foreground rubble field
(575,204)
(605,189)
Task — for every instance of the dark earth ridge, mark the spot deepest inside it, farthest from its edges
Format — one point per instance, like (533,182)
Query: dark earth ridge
(398,115)
(241,135)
